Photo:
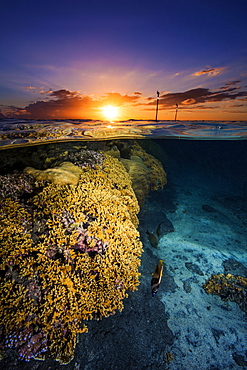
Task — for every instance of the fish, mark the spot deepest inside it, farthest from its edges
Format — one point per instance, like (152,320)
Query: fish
(157,276)
(154,241)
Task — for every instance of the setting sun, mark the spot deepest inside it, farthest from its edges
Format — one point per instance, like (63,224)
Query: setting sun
(110,111)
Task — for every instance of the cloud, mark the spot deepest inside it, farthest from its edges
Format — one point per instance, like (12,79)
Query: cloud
(197,96)
(43,92)
(64,94)
(68,104)
(35,89)
(119,100)
(230,86)
(209,72)
(204,107)
(59,104)
(232,83)
(189,101)
(234,105)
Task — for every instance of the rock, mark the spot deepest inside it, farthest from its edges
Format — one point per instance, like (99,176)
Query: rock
(193,267)
(187,286)
(165,226)
(234,267)
(208,208)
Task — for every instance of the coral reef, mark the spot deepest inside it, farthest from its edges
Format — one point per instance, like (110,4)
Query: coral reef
(145,171)
(16,185)
(229,287)
(66,174)
(68,253)
(139,175)
(157,175)
(28,342)
(80,157)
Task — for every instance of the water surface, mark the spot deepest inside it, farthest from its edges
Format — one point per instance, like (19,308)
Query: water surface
(27,132)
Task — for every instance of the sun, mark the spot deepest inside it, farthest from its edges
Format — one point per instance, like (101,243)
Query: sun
(110,111)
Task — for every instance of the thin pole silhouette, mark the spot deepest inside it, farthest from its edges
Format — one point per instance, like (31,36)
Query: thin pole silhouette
(157,106)
(176,113)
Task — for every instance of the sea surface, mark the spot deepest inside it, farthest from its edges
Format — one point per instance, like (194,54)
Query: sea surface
(203,213)
(22,132)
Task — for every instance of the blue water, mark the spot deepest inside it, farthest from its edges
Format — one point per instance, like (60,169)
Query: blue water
(205,201)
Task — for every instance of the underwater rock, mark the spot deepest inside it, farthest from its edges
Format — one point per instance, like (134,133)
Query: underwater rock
(66,174)
(165,227)
(234,267)
(187,286)
(209,209)
(239,359)
(193,267)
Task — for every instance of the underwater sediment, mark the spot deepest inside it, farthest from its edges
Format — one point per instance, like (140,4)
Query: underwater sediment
(70,251)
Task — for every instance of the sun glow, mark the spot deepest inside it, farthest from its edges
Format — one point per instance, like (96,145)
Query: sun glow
(110,111)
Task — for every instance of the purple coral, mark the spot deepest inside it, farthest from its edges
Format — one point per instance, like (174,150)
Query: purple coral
(32,285)
(28,342)
(84,242)
(67,219)
(34,290)
(86,158)
(15,185)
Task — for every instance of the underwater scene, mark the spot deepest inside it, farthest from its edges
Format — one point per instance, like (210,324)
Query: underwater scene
(123,245)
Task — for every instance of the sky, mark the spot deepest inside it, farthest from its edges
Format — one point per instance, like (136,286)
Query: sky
(71,58)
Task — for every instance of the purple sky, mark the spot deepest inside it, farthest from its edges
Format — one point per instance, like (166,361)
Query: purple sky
(70,58)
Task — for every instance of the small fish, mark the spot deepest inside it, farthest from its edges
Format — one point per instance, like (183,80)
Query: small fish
(157,276)
(154,241)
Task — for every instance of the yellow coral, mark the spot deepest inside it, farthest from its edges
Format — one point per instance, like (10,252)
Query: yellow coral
(228,287)
(73,284)
(139,174)
(157,174)
(66,173)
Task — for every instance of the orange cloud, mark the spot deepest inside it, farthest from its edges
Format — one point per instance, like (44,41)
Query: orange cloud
(118,99)
(188,101)
(30,88)
(209,72)
(66,104)
(69,104)
(43,92)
